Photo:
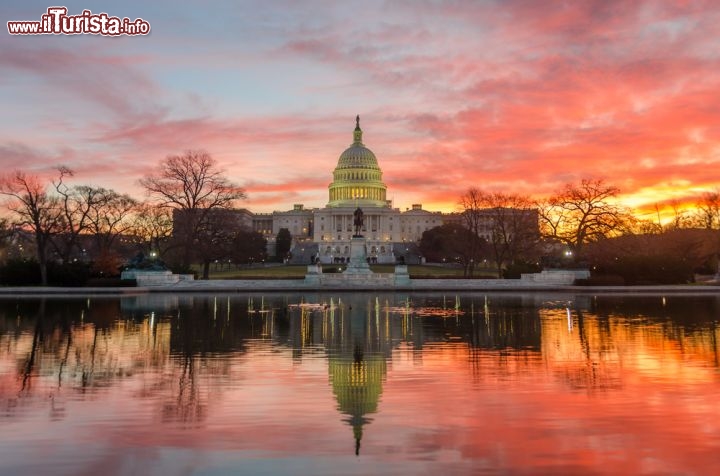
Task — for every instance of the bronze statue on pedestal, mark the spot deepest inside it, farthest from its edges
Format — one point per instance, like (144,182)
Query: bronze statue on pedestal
(358,221)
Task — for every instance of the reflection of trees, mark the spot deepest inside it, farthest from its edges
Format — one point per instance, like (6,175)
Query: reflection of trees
(613,335)
(48,329)
(594,364)
(192,337)
(30,362)
(504,335)
(690,322)
(83,344)
(208,325)
(78,345)
(187,406)
(502,323)
(205,330)
(73,344)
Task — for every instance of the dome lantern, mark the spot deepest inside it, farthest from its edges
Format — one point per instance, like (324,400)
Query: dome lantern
(357,133)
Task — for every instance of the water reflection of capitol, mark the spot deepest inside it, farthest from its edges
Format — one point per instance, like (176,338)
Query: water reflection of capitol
(585,343)
(358,340)
(580,341)
(356,333)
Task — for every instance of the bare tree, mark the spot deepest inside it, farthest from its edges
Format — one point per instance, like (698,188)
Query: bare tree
(75,207)
(582,213)
(708,210)
(153,225)
(645,227)
(108,217)
(510,227)
(473,215)
(36,210)
(216,238)
(680,218)
(6,233)
(192,184)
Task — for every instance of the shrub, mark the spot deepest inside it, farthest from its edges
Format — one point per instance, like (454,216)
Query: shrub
(601,280)
(107,265)
(333,268)
(68,274)
(20,272)
(27,273)
(636,270)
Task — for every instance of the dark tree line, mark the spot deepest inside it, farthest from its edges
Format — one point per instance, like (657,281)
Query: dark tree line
(190,217)
(453,243)
(56,222)
(584,225)
(61,218)
(194,188)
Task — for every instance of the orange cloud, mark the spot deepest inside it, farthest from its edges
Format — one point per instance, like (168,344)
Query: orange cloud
(519,96)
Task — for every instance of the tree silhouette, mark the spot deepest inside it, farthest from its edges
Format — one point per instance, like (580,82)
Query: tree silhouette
(192,185)
(582,213)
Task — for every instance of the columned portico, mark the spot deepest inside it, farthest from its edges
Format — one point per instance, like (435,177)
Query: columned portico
(334,230)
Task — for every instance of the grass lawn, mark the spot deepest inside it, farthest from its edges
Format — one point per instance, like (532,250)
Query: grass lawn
(270,272)
(298,271)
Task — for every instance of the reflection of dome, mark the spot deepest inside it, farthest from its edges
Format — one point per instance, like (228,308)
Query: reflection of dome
(357,179)
(357,385)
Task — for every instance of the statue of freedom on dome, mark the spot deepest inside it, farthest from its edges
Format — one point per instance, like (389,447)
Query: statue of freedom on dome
(358,222)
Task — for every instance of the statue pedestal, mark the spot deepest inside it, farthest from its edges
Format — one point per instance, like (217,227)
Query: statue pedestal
(401,275)
(358,257)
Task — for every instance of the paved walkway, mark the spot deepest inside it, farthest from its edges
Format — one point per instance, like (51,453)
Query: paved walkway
(419,285)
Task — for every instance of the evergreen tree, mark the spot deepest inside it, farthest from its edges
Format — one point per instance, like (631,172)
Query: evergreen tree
(283,241)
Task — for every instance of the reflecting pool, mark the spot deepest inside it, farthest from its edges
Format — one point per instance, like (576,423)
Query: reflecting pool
(365,383)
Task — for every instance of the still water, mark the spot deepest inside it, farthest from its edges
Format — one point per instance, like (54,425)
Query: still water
(360,384)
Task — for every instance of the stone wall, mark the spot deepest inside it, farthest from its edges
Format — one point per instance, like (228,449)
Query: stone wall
(556,276)
(155,278)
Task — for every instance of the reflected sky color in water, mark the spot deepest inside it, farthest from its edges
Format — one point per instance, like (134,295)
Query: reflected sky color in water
(359,384)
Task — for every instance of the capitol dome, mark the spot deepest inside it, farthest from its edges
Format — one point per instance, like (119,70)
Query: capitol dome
(357,179)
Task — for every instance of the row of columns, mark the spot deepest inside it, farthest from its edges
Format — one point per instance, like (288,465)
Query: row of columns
(373,223)
(350,193)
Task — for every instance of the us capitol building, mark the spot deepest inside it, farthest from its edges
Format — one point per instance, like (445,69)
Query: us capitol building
(325,233)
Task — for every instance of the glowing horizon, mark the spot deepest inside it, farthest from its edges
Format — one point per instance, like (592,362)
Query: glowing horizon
(515,96)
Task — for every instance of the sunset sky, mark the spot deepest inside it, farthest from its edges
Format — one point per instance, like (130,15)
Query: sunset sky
(519,96)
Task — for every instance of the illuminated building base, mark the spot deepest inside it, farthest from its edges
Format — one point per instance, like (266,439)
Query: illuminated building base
(358,273)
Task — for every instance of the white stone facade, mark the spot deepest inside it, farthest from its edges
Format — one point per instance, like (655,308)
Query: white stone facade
(357,182)
(384,227)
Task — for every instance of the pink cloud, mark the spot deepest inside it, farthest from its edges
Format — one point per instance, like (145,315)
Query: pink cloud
(111,82)
(506,95)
